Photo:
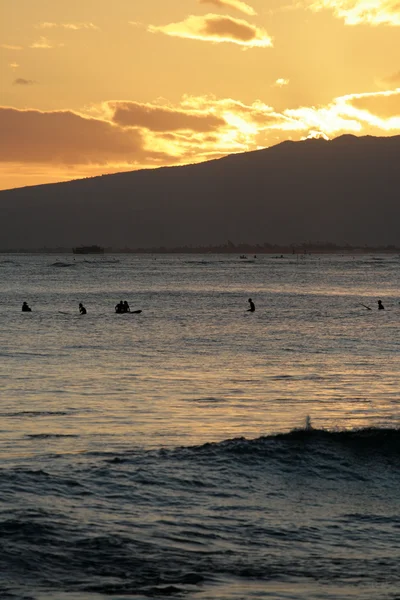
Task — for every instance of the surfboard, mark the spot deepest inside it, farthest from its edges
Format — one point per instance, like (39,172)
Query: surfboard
(365,306)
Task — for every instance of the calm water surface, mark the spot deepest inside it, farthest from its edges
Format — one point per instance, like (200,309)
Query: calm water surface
(154,455)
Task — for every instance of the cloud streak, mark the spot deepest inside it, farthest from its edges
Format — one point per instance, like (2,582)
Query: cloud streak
(357,12)
(69,26)
(234,4)
(10,47)
(217,29)
(43,44)
(22,81)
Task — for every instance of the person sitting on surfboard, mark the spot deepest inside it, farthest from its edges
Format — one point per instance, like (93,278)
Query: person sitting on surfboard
(82,309)
(26,308)
(119,307)
(126,307)
(252,307)
(380,305)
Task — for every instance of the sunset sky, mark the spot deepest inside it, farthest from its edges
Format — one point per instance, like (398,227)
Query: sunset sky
(90,87)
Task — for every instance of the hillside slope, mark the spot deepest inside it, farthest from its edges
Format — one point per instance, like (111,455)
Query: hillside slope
(343,190)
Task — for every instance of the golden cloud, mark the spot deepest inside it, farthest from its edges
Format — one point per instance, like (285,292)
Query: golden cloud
(216,28)
(42,44)
(10,47)
(71,26)
(281,82)
(355,12)
(235,4)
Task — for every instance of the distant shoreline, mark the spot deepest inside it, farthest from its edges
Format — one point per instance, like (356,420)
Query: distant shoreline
(241,249)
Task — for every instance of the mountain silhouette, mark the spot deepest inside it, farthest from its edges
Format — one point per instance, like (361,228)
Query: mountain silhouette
(345,190)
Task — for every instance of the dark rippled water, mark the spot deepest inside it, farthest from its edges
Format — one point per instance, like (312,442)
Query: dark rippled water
(195,450)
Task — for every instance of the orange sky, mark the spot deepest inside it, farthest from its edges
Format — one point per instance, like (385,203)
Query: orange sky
(98,87)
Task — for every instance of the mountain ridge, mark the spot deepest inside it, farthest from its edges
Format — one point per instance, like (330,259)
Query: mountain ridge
(229,156)
(344,190)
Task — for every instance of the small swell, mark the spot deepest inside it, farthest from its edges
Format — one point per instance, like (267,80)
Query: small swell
(44,436)
(62,264)
(35,413)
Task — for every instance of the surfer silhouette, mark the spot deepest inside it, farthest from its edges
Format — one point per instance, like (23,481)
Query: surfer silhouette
(252,307)
(82,309)
(380,305)
(126,307)
(26,308)
(119,307)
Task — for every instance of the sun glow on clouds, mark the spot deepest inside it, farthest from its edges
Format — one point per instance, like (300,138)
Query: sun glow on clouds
(204,126)
(70,26)
(10,47)
(315,135)
(281,82)
(235,4)
(380,110)
(43,44)
(116,136)
(217,28)
(355,12)
(355,113)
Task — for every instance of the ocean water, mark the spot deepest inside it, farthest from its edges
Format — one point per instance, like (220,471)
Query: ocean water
(197,450)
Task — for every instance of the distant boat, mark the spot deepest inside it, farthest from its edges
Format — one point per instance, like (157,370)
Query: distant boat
(88,250)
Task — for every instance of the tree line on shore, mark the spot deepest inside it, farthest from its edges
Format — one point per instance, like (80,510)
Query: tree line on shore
(229,248)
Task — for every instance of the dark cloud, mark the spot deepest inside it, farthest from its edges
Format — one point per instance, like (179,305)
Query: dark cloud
(381,105)
(225,26)
(394,79)
(157,118)
(217,28)
(22,81)
(64,137)
(235,4)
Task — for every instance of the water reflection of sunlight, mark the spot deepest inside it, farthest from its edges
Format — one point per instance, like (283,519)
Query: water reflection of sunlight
(196,367)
